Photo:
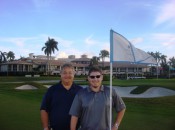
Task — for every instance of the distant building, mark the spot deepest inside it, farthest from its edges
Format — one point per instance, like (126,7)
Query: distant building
(39,64)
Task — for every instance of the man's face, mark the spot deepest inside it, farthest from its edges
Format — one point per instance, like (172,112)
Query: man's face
(95,79)
(67,75)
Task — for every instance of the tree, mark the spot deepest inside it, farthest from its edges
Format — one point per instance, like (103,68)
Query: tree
(10,56)
(163,59)
(103,54)
(172,61)
(157,56)
(94,61)
(50,46)
(164,64)
(3,57)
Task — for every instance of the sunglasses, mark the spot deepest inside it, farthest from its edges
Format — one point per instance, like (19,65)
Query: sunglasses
(93,77)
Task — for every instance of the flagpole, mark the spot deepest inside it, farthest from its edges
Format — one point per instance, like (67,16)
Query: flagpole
(111,59)
(110,116)
(157,70)
(169,71)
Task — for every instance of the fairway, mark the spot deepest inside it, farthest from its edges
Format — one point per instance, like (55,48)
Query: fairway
(19,109)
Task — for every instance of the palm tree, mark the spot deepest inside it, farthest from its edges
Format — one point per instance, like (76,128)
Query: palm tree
(164,64)
(153,55)
(10,56)
(94,61)
(3,57)
(103,54)
(49,48)
(157,56)
(163,59)
(172,61)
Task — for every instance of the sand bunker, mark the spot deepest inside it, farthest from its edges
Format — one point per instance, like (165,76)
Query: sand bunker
(150,93)
(47,86)
(26,87)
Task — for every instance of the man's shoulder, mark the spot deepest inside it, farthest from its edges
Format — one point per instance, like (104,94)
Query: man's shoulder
(106,88)
(77,86)
(55,86)
(83,90)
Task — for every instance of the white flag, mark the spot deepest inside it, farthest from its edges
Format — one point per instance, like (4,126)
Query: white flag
(121,50)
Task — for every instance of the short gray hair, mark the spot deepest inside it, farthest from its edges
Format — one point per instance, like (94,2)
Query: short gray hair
(67,65)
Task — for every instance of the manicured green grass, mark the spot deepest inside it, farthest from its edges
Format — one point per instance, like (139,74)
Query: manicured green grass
(149,114)
(22,78)
(19,113)
(19,109)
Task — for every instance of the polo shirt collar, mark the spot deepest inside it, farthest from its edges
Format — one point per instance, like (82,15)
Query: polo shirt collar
(72,86)
(101,88)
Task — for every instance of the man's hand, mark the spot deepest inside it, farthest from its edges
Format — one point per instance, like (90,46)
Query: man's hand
(114,128)
(46,128)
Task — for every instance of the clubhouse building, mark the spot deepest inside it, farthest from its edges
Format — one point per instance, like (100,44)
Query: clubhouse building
(40,65)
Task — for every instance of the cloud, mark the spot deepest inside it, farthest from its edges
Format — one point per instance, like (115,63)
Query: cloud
(136,40)
(90,41)
(166,39)
(22,46)
(161,42)
(61,54)
(64,43)
(166,13)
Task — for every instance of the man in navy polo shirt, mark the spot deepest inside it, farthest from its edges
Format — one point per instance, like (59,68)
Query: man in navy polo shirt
(58,100)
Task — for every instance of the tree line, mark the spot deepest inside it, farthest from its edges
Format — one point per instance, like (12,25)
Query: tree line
(51,45)
(165,65)
(6,56)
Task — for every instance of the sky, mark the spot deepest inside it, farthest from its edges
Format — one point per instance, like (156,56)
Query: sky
(83,26)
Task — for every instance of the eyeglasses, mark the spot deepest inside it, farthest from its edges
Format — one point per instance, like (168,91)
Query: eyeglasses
(93,77)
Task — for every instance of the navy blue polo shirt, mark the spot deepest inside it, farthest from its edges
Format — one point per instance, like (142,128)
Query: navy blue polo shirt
(57,102)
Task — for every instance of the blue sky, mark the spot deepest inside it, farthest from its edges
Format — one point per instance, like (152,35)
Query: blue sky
(83,26)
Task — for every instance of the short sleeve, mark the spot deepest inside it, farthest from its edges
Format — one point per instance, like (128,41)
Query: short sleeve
(75,109)
(45,105)
(117,101)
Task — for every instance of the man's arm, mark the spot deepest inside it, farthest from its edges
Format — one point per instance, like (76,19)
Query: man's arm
(73,122)
(44,119)
(118,119)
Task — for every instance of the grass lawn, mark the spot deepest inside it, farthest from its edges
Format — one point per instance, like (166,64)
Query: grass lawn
(19,109)
(149,114)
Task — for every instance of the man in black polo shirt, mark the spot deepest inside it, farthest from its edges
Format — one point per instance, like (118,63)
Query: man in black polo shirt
(58,100)
(92,105)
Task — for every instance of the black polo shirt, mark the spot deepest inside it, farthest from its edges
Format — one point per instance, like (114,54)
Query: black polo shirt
(57,102)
